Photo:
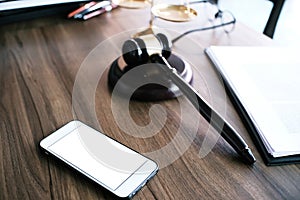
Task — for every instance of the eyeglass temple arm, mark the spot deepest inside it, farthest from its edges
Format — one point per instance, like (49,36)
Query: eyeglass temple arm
(202,29)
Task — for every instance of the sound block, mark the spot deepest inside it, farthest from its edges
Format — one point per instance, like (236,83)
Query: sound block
(147,82)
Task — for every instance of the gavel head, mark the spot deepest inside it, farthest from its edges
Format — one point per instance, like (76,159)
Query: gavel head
(137,51)
(155,86)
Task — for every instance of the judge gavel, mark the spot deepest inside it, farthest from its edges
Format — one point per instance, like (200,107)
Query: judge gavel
(135,53)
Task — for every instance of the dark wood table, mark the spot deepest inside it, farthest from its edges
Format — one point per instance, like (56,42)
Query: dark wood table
(40,61)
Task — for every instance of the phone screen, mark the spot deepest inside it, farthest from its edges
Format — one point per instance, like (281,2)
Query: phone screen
(97,155)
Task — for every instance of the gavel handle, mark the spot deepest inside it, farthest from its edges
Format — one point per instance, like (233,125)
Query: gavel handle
(211,116)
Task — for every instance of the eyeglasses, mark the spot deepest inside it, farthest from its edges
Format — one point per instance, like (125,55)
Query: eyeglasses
(225,19)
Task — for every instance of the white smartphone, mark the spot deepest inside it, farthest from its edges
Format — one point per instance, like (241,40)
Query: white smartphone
(112,165)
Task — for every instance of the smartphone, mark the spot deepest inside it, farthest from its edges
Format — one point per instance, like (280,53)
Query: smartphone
(112,165)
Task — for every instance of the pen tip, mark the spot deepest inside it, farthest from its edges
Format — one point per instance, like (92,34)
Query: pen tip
(248,156)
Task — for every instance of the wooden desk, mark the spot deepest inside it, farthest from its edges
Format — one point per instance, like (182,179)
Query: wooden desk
(38,66)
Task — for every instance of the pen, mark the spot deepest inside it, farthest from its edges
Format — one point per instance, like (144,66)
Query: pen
(99,12)
(82,8)
(101,4)
(93,14)
(211,116)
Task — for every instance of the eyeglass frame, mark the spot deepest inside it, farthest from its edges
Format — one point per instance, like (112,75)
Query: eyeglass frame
(218,14)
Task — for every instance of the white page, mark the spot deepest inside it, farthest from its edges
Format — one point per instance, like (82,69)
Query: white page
(265,79)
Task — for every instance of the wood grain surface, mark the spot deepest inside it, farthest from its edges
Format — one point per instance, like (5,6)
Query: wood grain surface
(39,64)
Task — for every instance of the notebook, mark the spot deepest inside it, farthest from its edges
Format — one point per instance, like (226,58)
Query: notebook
(264,85)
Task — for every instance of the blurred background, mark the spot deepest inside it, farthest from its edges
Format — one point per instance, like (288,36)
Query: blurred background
(255,13)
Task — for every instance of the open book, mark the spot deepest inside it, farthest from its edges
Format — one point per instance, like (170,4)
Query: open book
(21,10)
(264,84)
(18,4)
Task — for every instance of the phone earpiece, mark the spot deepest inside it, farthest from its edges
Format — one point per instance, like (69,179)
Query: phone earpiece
(135,51)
